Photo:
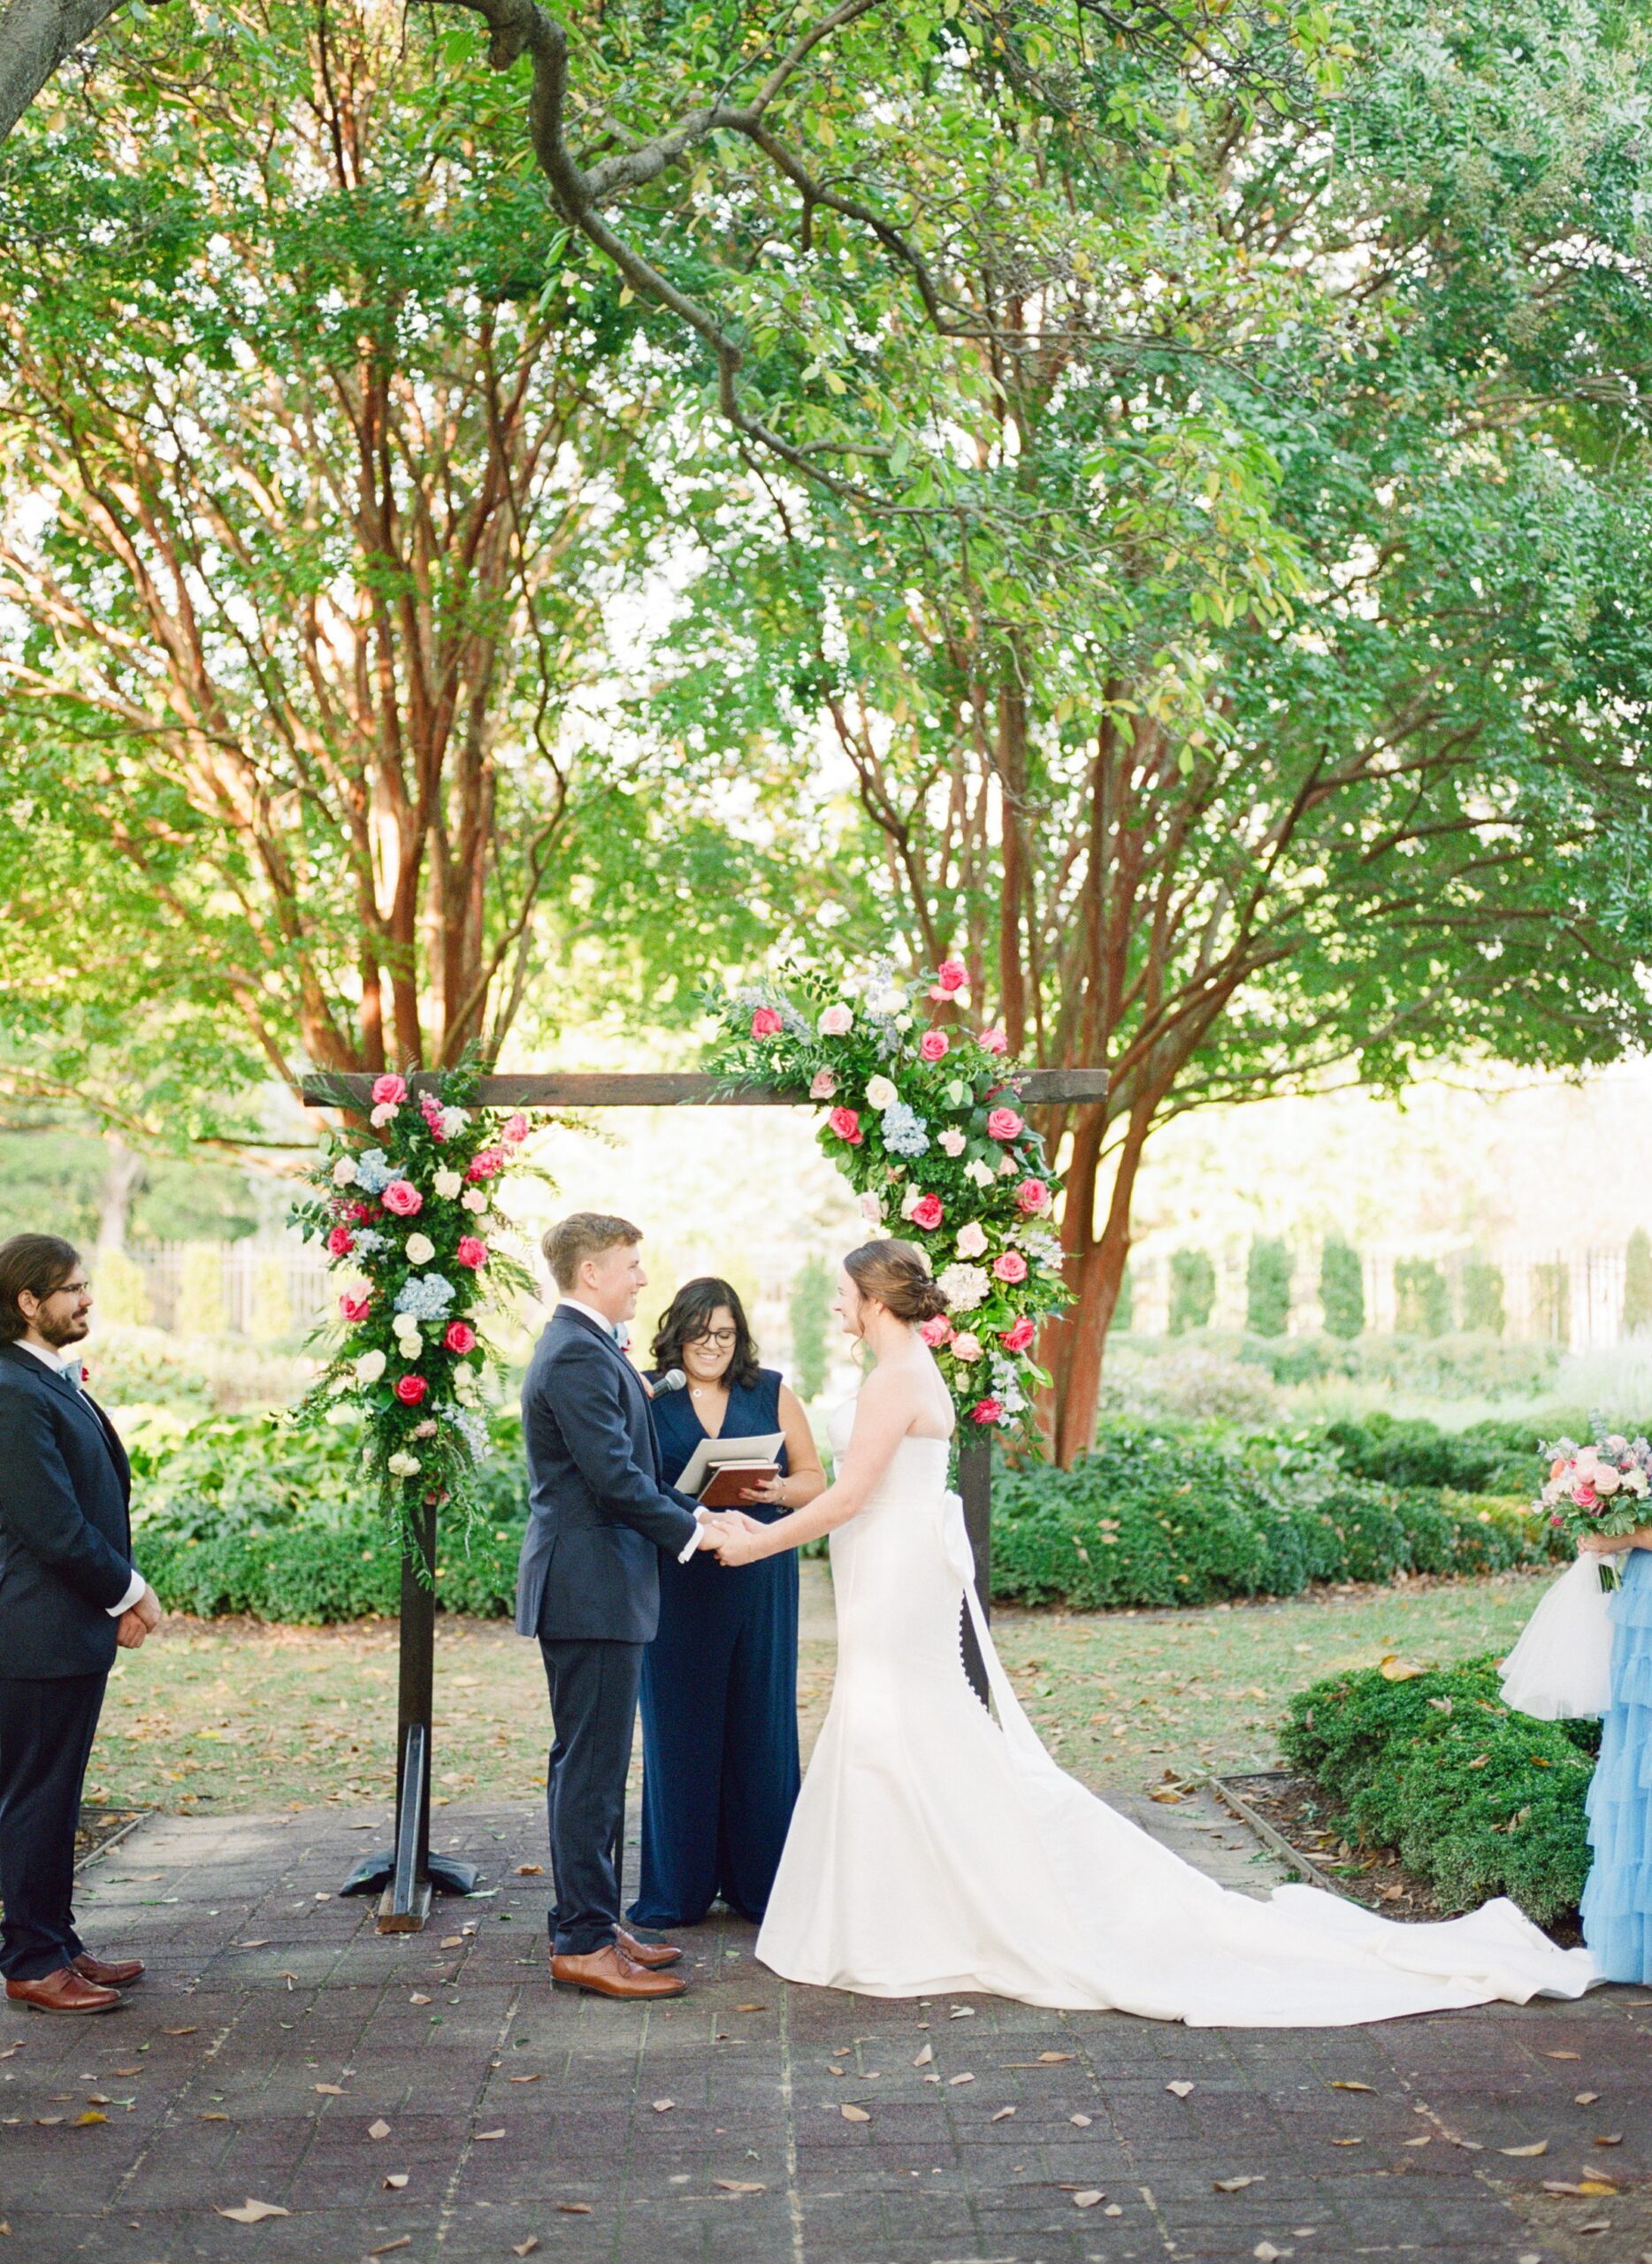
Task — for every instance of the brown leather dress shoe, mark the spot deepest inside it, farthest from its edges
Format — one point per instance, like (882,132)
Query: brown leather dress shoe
(108,1973)
(609,1972)
(651,1955)
(64,1992)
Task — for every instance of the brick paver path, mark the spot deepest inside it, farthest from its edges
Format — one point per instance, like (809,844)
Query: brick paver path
(278,2032)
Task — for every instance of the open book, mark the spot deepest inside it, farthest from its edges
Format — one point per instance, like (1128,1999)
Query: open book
(720,1470)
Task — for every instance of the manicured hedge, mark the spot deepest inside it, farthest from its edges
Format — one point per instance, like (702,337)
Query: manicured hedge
(1478,1799)
(1497,1457)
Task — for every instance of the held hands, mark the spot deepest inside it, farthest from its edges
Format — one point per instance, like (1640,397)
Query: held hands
(730,1537)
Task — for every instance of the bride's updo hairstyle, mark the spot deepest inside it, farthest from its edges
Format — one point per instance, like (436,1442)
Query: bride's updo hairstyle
(896,1273)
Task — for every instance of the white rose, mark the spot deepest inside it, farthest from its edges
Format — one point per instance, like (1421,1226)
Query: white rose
(370,1366)
(448,1184)
(880,1093)
(910,1201)
(892,1002)
(408,1337)
(1606,1480)
(453,1122)
(980,1173)
(421,1249)
(903,1022)
(1635,1483)
(473,1200)
(872,1210)
(384,1114)
(404,1466)
(953,1142)
(344,1172)
(972,1241)
(1007,1167)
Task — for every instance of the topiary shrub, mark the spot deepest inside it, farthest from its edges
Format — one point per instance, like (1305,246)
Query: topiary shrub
(1341,1289)
(1267,1287)
(1192,1291)
(1422,1297)
(1478,1799)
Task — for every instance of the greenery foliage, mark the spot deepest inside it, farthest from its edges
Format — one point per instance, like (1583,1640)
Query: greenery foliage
(1267,1287)
(1482,1295)
(1477,1799)
(810,1313)
(1192,1291)
(1341,1289)
(1638,1283)
(1422,1297)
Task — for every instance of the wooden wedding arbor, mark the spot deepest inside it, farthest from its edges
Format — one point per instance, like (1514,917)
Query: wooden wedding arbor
(408,1873)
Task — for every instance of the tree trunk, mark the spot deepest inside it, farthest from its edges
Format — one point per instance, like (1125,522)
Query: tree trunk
(1096,1265)
(122,1170)
(35,36)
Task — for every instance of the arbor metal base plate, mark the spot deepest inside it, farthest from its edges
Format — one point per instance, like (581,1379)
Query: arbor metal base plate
(445,1873)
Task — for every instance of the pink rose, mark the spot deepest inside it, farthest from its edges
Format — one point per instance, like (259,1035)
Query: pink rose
(354,1309)
(487,1165)
(927,1212)
(847,1124)
(936,1330)
(933,1044)
(359,1213)
(993,1041)
(460,1338)
(1033,1197)
(872,1210)
(1017,1339)
(389,1091)
(836,1021)
(823,1086)
(340,1242)
(952,975)
(1010,1266)
(429,1109)
(1003,1124)
(987,1410)
(515,1131)
(766,1023)
(1584,1496)
(411,1389)
(972,1241)
(966,1346)
(471,1252)
(403,1199)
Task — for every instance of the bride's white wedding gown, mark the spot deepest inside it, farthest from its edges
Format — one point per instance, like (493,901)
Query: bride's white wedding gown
(934,1851)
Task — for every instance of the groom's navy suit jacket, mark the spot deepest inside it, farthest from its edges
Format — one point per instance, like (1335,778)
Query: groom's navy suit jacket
(66,1535)
(597,1514)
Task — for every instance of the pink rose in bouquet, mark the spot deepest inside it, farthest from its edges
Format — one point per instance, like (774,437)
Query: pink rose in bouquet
(340,1242)
(1019,1338)
(1003,1124)
(1032,1196)
(836,1021)
(766,1023)
(472,1251)
(822,1085)
(1010,1266)
(354,1309)
(927,1212)
(987,1410)
(411,1389)
(993,1041)
(403,1199)
(966,1346)
(460,1337)
(487,1165)
(847,1124)
(429,1109)
(936,1330)
(933,1044)
(515,1131)
(950,977)
(389,1091)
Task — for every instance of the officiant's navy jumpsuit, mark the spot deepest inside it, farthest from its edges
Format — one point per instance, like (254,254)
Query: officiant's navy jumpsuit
(719,1701)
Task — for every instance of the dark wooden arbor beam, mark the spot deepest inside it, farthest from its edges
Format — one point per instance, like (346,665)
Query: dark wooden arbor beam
(409,1871)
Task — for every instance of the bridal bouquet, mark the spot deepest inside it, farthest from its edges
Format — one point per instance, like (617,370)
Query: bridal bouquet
(923,1118)
(1598,1488)
(404,1206)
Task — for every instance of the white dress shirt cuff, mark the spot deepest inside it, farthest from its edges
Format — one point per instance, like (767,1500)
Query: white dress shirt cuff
(126,1602)
(683,1555)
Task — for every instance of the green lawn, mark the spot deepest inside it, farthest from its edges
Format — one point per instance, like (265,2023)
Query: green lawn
(231,1715)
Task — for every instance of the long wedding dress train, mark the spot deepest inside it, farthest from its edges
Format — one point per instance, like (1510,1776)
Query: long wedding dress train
(934,1851)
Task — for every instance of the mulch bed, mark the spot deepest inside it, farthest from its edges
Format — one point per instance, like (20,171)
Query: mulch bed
(1308,1819)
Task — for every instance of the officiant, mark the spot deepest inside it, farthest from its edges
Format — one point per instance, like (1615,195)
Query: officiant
(719,1682)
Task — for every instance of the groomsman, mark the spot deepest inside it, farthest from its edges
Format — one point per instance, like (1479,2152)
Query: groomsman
(68,1596)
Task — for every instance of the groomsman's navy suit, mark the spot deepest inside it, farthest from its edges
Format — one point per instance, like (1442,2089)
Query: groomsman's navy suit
(588,1586)
(65,1561)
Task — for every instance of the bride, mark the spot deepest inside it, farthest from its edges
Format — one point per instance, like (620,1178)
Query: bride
(935,1851)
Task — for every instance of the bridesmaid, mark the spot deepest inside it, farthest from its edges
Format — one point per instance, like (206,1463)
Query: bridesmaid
(1617,1898)
(719,1682)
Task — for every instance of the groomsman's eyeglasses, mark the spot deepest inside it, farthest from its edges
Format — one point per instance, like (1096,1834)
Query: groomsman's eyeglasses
(724,1339)
(68,1290)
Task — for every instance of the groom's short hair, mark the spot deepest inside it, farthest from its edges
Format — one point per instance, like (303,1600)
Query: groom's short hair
(588,1234)
(37,1263)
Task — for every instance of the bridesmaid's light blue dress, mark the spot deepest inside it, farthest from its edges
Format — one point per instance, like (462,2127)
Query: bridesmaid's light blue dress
(1618,1900)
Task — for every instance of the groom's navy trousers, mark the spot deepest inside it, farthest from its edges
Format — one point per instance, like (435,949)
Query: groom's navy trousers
(588,1586)
(65,1559)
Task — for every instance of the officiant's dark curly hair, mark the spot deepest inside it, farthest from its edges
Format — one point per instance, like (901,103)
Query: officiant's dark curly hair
(689,1315)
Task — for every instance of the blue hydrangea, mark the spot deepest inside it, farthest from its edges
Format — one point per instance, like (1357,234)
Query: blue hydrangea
(368,1241)
(425,1295)
(471,1425)
(904,1130)
(373,1171)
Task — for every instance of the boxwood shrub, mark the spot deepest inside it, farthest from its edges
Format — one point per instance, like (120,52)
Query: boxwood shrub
(1478,1799)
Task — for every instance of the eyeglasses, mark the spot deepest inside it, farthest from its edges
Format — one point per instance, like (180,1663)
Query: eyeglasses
(724,1339)
(69,1289)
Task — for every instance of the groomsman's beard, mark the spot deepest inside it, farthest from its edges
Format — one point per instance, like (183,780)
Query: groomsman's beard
(61,1333)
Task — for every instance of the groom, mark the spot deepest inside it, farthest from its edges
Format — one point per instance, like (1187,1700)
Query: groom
(588,1586)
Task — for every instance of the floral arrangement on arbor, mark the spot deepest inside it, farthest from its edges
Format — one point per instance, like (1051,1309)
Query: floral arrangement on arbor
(924,1119)
(404,1207)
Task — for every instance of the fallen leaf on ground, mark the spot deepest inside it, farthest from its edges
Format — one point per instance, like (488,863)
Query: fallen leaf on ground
(1087,2201)
(252,2213)
(379,2130)
(1611,2139)
(536,2077)
(1590,2185)
(750,2008)
(1585,2098)
(1360,2142)
(1050,2059)
(951,2080)
(575,2208)
(1563,2055)
(854,2114)
(1265,2250)
(1005,2112)
(396,2180)
(47,2121)
(664,2106)
(453,1941)
(962,2012)
(526,2247)
(1079,2122)
(1180,2090)
(738,2185)
(418,2000)
(1427,2139)
(1233,2184)
(483,2135)
(925,2057)
(1338,2084)
(181,2031)
(212,2115)
(1525,2153)
(332,2091)
(386,2248)
(93,2115)
(1600,2224)
(529,1870)
(1392,1670)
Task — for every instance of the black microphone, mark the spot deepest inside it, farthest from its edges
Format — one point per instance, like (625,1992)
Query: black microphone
(673,1380)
